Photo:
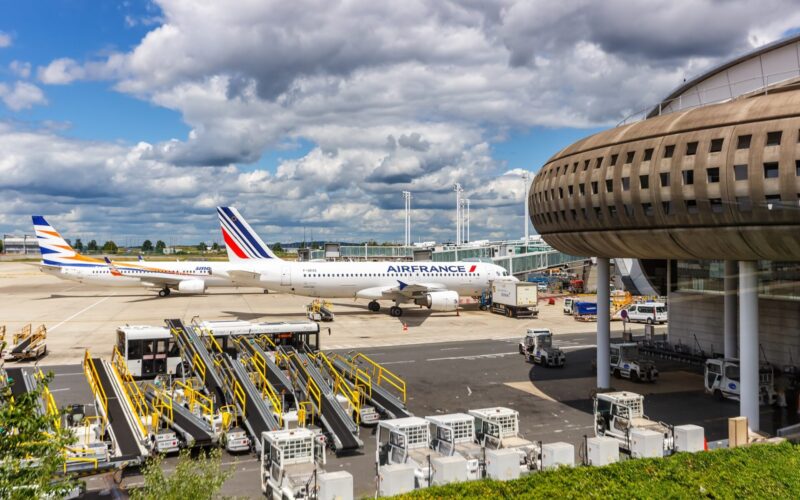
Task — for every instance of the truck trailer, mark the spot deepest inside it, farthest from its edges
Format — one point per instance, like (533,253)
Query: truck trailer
(515,299)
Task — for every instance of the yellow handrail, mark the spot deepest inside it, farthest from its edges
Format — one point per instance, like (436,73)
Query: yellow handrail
(68,460)
(380,374)
(361,378)
(340,385)
(267,390)
(23,334)
(197,362)
(267,340)
(133,395)
(49,401)
(311,387)
(195,397)
(97,388)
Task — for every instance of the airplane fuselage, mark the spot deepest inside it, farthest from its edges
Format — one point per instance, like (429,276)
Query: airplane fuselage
(123,274)
(368,279)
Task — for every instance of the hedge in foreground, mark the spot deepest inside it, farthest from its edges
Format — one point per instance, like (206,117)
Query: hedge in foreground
(758,471)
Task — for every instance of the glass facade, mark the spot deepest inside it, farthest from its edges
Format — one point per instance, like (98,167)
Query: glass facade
(777,280)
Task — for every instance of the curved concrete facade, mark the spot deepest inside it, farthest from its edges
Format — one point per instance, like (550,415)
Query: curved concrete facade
(716,182)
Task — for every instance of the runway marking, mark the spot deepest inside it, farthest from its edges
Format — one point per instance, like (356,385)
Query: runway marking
(475,356)
(57,390)
(527,386)
(584,346)
(398,362)
(451,349)
(81,312)
(68,374)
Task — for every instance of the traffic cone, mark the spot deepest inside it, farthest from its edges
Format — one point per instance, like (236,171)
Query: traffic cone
(705,443)
(405,327)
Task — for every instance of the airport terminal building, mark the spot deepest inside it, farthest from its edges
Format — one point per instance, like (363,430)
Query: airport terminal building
(704,190)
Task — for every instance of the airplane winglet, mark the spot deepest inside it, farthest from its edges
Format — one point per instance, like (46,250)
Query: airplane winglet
(112,267)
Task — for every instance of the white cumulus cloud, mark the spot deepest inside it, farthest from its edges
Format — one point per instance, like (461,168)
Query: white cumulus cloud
(21,95)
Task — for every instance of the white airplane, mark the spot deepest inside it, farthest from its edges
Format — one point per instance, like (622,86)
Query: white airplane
(436,285)
(61,260)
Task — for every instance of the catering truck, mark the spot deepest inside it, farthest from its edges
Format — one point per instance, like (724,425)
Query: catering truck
(515,299)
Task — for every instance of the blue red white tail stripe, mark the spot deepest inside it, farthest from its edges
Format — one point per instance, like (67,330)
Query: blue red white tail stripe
(240,239)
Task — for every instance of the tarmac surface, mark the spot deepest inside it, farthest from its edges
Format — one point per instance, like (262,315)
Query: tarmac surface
(450,363)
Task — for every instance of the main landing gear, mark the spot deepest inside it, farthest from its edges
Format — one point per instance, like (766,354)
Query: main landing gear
(374,306)
(164,292)
(395,311)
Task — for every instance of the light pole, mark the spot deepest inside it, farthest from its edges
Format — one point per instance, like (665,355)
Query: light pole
(525,177)
(407,199)
(465,216)
(458,189)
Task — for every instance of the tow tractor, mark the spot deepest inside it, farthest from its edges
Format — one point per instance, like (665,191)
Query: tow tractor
(626,362)
(290,462)
(537,346)
(616,414)
(406,441)
(721,378)
(454,434)
(498,428)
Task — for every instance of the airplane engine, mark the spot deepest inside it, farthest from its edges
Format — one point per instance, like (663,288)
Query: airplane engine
(192,286)
(442,301)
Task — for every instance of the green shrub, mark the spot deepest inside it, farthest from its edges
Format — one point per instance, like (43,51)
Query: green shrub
(758,471)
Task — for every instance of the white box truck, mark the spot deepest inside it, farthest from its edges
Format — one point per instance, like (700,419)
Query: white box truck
(515,299)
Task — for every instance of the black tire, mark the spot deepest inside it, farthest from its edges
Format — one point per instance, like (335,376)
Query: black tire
(163,292)
(617,374)
(635,376)
(718,395)
(374,306)
(521,350)
(649,321)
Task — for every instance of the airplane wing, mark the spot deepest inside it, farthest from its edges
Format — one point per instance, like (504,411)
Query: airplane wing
(404,290)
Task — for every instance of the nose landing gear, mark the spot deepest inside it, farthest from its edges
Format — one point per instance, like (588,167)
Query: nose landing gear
(164,292)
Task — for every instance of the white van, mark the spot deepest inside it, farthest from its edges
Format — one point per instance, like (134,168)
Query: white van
(648,312)
(568,305)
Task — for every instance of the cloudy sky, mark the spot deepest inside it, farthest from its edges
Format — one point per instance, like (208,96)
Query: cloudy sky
(135,119)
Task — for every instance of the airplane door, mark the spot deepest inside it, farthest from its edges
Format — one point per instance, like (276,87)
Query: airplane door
(286,275)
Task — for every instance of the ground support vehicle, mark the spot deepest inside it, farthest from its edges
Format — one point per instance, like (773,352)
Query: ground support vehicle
(27,344)
(616,414)
(584,311)
(406,441)
(515,299)
(626,363)
(319,310)
(291,461)
(498,428)
(568,305)
(721,378)
(454,434)
(537,346)
(647,312)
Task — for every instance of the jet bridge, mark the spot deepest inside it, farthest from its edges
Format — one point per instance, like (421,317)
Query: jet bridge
(386,391)
(334,418)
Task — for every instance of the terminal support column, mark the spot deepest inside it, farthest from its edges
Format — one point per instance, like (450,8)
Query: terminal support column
(730,285)
(603,324)
(748,342)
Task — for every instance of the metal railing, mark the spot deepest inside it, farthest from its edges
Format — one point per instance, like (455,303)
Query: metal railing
(355,397)
(133,394)
(97,388)
(711,95)
(380,374)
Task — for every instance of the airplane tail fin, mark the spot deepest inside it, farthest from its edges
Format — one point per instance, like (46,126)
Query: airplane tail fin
(54,249)
(241,241)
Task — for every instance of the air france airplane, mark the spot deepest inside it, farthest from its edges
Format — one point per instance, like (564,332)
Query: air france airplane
(436,285)
(61,260)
